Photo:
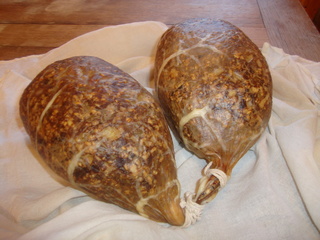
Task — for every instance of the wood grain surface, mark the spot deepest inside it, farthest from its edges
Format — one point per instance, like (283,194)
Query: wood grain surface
(30,27)
(290,28)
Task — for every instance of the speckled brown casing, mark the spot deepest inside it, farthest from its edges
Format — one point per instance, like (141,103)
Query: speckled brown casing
(98,128)
(215,86)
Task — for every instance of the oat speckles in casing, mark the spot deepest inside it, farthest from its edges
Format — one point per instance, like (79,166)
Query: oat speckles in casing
(98,128)
(216,89)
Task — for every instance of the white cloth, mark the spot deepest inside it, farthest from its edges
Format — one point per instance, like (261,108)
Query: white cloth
(273,193)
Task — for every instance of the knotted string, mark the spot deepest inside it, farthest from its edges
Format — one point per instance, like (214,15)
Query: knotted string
(222,177)
(192,209)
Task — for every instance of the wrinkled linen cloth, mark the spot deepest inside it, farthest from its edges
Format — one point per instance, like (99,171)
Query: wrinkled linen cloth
(274,191)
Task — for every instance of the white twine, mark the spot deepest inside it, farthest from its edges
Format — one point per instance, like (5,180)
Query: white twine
(222,177)
(192,209)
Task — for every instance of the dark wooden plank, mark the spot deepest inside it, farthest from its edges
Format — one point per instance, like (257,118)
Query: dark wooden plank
(290,28)
(40,35)
(12,52)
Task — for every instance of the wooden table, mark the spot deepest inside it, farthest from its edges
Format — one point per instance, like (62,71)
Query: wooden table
(36,26)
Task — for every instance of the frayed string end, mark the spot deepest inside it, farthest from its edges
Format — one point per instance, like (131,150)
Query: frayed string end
(192,209)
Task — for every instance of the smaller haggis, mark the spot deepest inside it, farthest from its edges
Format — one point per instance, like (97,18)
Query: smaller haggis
(215,87)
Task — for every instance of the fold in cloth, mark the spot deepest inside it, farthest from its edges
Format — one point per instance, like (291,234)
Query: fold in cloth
(273,193)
